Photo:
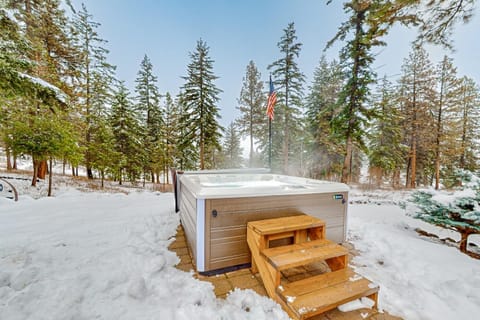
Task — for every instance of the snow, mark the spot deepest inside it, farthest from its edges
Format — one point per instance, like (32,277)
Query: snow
(93,255)
(59,94)
(104,256)
(357,304)
(418,278)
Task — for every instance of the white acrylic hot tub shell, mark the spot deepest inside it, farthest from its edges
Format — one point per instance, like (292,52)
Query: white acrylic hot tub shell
(200,193)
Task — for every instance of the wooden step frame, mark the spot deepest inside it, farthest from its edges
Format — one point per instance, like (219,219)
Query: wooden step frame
(308,233)
(333,289)
(261,232)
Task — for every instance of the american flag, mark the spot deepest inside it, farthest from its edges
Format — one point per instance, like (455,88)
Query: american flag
(272,99)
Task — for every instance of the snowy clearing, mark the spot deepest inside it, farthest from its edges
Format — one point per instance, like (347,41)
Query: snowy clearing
(86,255)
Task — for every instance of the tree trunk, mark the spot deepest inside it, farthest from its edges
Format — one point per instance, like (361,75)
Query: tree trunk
(202,152)
(14,161)
(347,161)
(36,164)
(42,169)
(9,162)
(413,169)
(464,233)
(50,175)
(89,173)
(250,160)
(103,177)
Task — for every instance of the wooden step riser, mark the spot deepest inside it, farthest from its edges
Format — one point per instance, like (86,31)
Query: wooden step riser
(309,297)
(287,257)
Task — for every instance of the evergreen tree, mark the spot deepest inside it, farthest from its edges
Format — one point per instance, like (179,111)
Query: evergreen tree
(43,135)
(469,102)
(452,210)
(321,108)
(416,98)
(252,108)
(102,148)
(95,77)
(386,151)
(438,18)
(187,150)
(126,130)
(369,21)
(171,133)
(200,98)
(148,107)
(287,127)
(52,50)
(447,120)
(232,150)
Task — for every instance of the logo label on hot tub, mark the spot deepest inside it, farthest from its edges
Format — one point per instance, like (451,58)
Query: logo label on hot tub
(338,197)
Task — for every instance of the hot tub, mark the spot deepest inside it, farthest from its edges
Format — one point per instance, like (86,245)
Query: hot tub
(216,206)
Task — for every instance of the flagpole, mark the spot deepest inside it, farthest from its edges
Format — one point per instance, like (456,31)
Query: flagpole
(272,98)
(270,143)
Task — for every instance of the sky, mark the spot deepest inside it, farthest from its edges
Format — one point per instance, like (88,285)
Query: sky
(239,31)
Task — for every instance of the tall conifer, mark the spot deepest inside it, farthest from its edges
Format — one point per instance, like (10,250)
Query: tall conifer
(200,98)
(252,108)
(288,82)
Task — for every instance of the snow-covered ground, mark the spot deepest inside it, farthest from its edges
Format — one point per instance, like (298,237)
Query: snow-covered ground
(94,255)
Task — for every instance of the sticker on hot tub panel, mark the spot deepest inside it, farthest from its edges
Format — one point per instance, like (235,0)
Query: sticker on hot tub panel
(338,197)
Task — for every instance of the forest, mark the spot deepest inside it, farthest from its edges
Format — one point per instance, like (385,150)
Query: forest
(61,103)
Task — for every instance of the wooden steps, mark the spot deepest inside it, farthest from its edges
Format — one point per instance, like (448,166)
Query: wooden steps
(291,223)
(304,253)
(314,295)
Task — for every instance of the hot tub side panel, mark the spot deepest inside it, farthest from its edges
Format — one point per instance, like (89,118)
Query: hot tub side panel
(225,234)
(188,216)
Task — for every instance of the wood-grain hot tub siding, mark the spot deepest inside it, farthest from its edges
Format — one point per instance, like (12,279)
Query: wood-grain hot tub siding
(215,208)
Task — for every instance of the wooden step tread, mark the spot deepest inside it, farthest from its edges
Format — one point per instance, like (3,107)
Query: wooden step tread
(315,295)
(301,254)
(285,224)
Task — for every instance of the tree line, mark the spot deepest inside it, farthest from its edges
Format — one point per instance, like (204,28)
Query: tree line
(60,100)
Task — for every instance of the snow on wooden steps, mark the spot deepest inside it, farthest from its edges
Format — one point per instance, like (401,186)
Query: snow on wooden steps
(315,295)
(300,254)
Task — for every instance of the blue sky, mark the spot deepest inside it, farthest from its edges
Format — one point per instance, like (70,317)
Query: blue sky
(238,31)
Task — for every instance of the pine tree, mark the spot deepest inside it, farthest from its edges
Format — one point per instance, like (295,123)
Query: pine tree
(441,17)
(469,102)
(126,130)
(386,151)
(43,135)
(200,98)
(288,83)
(321,108)
(252,108)
(95,77)
(171,133)
(369,21)
(148,107)
(452,210)
(447,130)
(188,153)
(416,98)
(232,150)
(102,148)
